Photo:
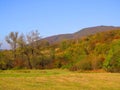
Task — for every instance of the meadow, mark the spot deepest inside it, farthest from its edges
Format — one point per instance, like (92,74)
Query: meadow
(58,79)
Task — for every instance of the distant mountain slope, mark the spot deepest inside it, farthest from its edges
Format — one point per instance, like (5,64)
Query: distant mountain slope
(93,30)
(79,34)
(58,38)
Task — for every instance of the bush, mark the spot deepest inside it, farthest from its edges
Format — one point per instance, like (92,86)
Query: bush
(97,62)
(114,64)
(91,62)
(84,64)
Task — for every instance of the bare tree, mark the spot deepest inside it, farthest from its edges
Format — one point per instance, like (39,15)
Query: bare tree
(22,44)
(11,39)
(28,45)
(33,41)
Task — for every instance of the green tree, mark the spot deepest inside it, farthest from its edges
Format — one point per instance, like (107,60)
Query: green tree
(115,62)
(112,62)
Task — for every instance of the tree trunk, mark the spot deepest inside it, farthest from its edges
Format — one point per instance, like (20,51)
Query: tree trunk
(29,63)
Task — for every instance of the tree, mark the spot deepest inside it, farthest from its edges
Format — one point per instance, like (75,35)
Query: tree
(29,46)
(33,41)
(115,62)
(112,62)
(12,41)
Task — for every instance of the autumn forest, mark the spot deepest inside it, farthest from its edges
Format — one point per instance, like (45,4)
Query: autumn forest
(92,52)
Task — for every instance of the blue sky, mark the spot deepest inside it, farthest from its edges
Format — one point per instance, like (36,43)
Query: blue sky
(51,17)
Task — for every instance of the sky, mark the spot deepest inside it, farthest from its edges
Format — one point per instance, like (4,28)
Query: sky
(52,17)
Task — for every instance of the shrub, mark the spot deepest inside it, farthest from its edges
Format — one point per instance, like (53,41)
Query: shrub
(84,64)
(89,63)
(114,64)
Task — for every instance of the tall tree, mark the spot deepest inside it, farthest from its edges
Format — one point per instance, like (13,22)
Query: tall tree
(24,49)
(29,46)
(33,41)
(12,41)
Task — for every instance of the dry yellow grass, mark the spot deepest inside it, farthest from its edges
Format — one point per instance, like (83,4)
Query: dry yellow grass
(58,80)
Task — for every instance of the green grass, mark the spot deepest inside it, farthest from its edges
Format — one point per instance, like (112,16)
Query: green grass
(57,79)
(31,73)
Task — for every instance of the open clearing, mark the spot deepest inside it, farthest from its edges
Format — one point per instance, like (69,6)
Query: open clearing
(57,80)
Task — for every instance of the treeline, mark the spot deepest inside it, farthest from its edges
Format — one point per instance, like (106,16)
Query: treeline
(99,51)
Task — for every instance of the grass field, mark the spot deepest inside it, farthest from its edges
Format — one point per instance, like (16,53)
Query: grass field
(57,80)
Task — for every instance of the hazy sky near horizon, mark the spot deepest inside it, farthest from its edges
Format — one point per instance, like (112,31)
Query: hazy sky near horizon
(51,17)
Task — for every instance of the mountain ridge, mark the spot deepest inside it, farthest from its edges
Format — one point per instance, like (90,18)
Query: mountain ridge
(79,34)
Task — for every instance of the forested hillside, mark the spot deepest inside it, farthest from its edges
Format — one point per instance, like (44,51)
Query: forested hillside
(93,52)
